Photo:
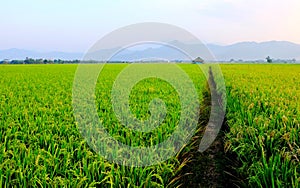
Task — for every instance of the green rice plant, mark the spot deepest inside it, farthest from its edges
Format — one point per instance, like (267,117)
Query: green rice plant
(40,142)
(263,115)
(41,145)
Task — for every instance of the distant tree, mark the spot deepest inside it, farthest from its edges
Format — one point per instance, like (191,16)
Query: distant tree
(50,61)
(5,61)
(39,61)
(269,60)
(29,61)
(58,61)
(17,62)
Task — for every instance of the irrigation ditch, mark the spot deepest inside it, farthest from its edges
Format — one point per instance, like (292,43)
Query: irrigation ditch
(215,167)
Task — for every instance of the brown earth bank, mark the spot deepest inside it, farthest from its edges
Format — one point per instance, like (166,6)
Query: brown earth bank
(214,167)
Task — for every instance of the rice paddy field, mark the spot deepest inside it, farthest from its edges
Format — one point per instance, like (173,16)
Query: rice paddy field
(41,145)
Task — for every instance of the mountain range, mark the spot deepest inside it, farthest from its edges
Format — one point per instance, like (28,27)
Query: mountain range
(247,51)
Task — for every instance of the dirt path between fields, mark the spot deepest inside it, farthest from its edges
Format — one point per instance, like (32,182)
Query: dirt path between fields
(214,167)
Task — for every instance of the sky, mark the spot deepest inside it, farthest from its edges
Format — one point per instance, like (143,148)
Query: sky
(74,26)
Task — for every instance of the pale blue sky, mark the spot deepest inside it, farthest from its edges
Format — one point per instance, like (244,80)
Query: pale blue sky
(73,26)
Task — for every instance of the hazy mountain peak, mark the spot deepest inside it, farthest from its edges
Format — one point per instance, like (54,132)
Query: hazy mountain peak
(248,50)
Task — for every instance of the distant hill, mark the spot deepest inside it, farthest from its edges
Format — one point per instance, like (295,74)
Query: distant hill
(242,50)
(254,51)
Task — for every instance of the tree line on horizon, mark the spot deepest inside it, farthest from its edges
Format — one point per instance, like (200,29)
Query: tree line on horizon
(39,61)
(76,61)
(54,61)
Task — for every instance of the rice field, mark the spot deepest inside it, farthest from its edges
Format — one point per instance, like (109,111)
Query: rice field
(41,145)
(264,118)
